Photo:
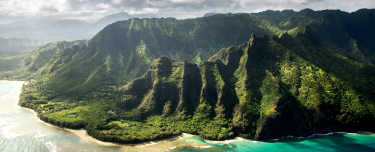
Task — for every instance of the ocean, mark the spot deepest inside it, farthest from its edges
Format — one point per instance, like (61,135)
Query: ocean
(21,131)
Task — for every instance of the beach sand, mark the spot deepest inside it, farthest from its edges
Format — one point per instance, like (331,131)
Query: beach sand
(156,145)
(365,132)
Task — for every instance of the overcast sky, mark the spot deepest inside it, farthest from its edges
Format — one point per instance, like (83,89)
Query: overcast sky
(92,10)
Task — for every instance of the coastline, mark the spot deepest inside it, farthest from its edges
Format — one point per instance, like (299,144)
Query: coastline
(156,145)
(160,145)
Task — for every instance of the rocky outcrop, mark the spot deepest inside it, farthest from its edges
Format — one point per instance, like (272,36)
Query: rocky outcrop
(267,88)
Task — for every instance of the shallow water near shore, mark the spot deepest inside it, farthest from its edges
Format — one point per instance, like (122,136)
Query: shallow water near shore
(336,142)
(21,131)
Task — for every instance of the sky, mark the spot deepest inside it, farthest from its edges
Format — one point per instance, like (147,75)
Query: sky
(92,10)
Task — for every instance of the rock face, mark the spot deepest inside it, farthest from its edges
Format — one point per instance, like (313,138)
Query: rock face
(267,88)
(124,50)
(168,85)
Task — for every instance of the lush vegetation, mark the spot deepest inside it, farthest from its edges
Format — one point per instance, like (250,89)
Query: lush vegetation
(24,66)
(16,46)
(266,88)
(307,78)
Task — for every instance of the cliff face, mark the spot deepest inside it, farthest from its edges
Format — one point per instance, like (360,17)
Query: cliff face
(166,87)
(124,50)
(266,88)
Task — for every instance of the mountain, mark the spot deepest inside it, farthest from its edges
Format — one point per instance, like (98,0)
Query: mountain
(66,26)
(56,31)
(29,23)
(266,88)
(60,30)
(23,66)
(210,14)
(297,82)
(124,50)
(109,19)
(351,32)
(101,23)
(15,46)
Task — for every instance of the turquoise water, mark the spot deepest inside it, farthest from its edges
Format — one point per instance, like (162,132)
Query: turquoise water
(336,142)
(20,131)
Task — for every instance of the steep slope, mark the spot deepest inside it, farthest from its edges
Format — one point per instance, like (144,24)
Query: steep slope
(15,46)
(351,32)
(23,66)
(292,84)
(28,23)
(124,50)
(60,30)
(266,88)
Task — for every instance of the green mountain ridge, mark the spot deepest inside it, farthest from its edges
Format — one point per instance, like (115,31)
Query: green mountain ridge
(315,75)
(16,46)
(261,82)
(267,88)
(351,32)
(124,50)
(23,66)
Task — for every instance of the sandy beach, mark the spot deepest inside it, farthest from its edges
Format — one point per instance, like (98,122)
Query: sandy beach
(365,132)
(156,145)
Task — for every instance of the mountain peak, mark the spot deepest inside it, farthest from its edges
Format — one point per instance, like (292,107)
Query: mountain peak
(252,37)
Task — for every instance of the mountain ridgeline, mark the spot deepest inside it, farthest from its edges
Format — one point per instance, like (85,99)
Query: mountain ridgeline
(265,88)
(124,50)
(24,65)
(145,79)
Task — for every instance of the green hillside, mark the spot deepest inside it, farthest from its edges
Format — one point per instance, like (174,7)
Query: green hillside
(16,46)
(265,88)
(124,50)
(351,32)
(145,79)
(23,66)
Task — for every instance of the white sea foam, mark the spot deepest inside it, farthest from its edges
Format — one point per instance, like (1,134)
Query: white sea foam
(39,134)
(8,133)
(202,146)
(313,135)
(2,98)
(51,146)
(6,129)
(352,133)
(171,148)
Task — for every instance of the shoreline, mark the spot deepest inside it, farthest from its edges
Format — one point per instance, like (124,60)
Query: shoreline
(82,133)
(166,143)
(161,144)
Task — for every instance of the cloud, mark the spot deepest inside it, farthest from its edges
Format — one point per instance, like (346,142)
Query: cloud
(92,10)
(49,9)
